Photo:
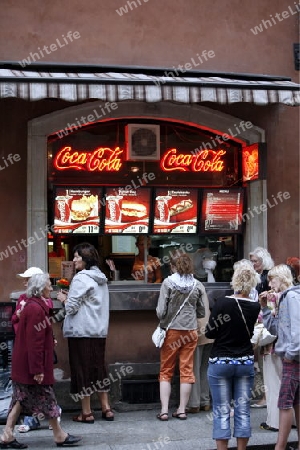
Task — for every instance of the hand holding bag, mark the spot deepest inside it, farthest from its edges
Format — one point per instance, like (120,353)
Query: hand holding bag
(159,335)
(261,336)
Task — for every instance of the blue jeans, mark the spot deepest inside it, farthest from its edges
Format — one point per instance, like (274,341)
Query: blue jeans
(231,386)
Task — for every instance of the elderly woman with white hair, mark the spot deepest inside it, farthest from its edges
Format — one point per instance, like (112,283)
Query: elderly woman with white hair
(32,367)
(262,263)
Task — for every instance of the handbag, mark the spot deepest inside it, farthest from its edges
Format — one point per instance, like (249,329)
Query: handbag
(159,335)
(261,336)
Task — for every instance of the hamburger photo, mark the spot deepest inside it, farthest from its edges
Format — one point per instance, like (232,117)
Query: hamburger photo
(80,210)
(84,207)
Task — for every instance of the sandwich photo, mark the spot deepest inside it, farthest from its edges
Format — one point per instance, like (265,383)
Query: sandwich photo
(132,211)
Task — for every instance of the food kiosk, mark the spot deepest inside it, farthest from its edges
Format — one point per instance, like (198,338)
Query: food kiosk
(182,185)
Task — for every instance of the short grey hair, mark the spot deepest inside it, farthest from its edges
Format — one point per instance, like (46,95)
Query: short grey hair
(36,285)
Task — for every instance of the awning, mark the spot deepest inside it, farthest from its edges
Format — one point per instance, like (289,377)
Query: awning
(74,86)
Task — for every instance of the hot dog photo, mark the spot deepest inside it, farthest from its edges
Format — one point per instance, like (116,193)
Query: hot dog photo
(175,206)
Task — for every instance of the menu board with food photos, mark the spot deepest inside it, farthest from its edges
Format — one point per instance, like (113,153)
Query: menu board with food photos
(175,211)
(127,210)
(77,210)
(222,210)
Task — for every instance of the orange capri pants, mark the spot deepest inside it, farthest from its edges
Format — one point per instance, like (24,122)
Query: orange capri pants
(182,344)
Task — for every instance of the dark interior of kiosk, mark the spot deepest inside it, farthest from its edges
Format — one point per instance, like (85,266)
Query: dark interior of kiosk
(225,250)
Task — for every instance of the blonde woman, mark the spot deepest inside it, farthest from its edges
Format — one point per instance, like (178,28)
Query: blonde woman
(280,278)
(231,363)
(285,324)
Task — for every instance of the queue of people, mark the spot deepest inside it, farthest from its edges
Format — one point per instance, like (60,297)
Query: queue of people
(231,359)
(216,359)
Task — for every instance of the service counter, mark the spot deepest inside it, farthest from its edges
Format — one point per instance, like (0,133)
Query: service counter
(132,322)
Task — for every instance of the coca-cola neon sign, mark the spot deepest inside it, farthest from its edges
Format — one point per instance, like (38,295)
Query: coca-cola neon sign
(101,159)
(109,160)
(203,161)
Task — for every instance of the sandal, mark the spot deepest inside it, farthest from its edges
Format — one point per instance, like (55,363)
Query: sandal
(108,415)
(12,444)
(180,416)
(82,418)
(265,426)
(164,417)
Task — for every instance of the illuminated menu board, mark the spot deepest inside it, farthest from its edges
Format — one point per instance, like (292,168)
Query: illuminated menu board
(222,211)
(250,163)
(175,211)
(127,211)
(77,210)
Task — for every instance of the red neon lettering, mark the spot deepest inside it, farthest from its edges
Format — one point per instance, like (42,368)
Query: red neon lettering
(101,159)
(204,161)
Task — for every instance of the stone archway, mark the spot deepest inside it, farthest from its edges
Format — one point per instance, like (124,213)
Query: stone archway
(40,128)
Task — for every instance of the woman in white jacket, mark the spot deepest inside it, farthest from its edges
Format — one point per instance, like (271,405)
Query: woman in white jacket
(86,326)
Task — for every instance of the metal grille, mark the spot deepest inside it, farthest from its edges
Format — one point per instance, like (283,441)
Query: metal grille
(140,391)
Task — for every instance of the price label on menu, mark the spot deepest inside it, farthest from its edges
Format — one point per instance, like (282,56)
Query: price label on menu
(175,211)
(127,211)
(86,229)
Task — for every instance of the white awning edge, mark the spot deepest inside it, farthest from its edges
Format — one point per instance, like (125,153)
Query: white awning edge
(112,87)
